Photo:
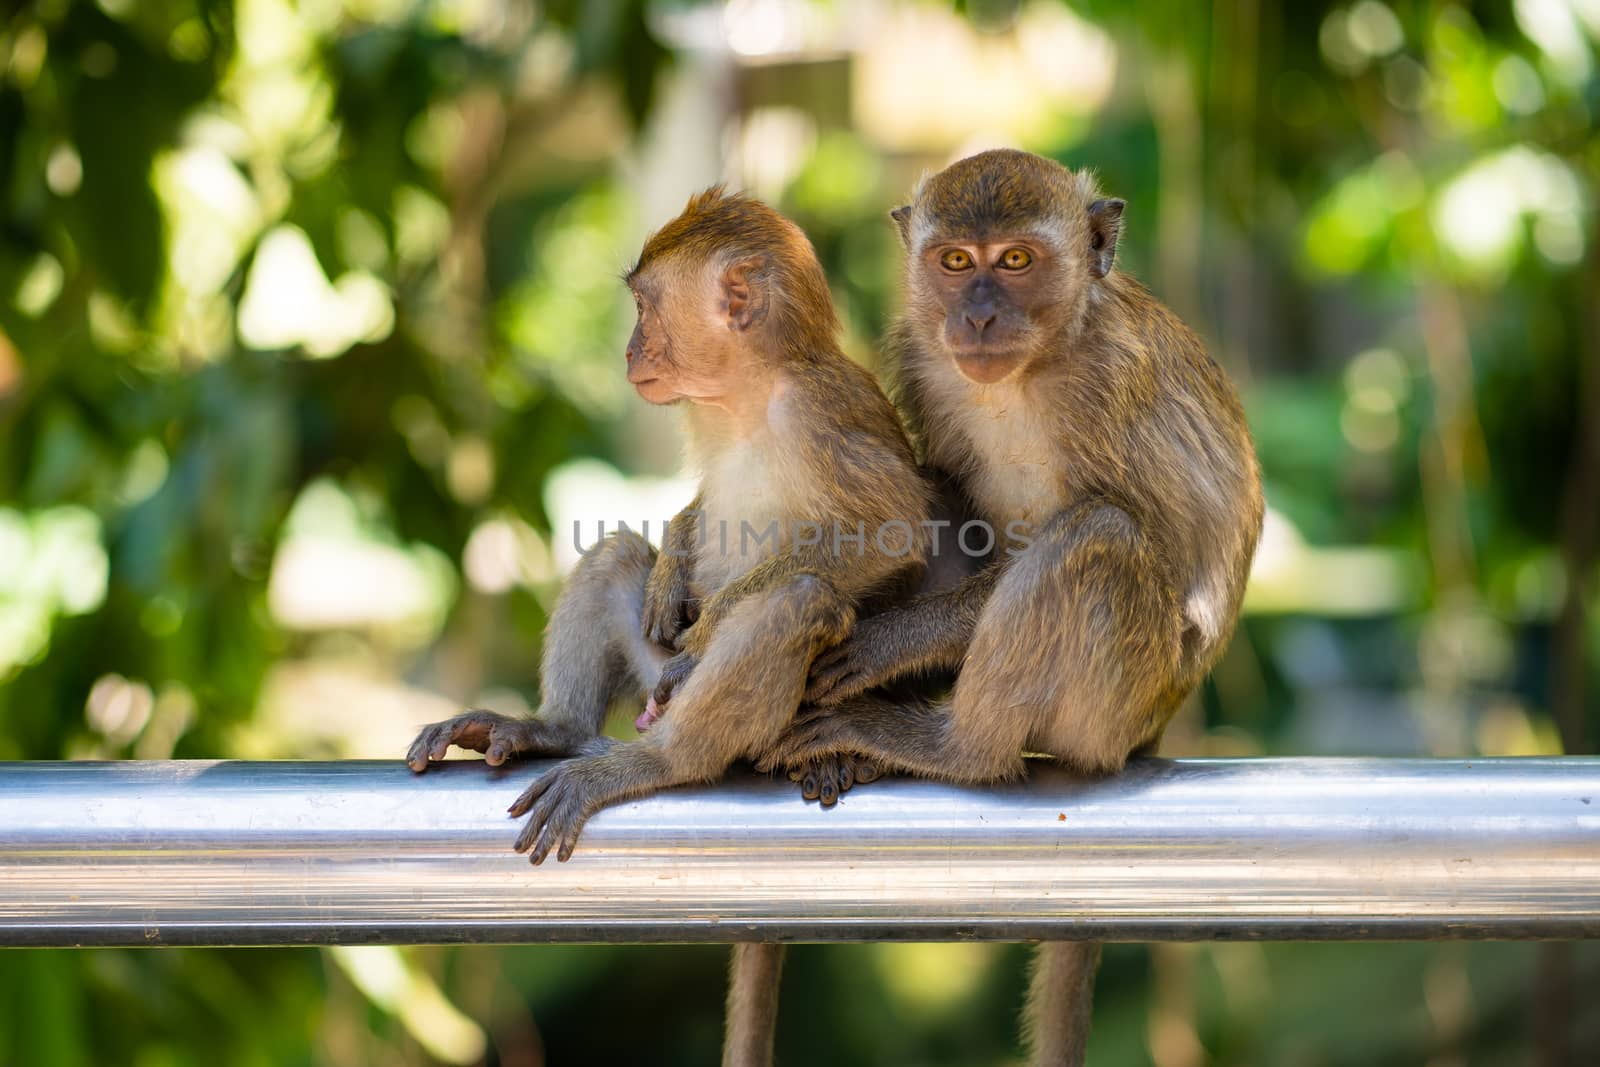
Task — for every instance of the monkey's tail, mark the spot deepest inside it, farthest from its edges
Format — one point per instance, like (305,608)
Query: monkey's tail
(752,1019)
(1055,1029)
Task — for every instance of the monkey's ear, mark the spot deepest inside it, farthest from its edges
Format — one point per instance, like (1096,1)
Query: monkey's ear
(902,222)
(744,292)
(1105,226)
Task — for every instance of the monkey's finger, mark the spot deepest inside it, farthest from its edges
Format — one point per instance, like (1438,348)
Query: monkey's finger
(822,678)
(547,838)
(777,759)
(833,685)
(530,795)
(812,741)
(556,821)
(499,750)
(470,730)
(809,788)
(657,626)
(804,722)
(528,834)
(867,772)
(437,739)
(537,847)
(830,658)
(440,746)
(569,840)
(662,693)
(417,755)
(847,775)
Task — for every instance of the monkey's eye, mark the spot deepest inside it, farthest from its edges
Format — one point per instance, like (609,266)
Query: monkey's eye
(955,259)
(1015,258)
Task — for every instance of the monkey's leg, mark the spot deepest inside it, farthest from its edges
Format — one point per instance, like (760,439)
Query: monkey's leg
(734,704)
(931,632)
(594,653)
(754,973)
(1076,654)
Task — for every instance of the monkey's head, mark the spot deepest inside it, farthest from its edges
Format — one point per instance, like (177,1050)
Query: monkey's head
(727,287)
(1004,251)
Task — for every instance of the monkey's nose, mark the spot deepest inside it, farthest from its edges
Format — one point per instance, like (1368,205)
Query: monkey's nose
(979,317)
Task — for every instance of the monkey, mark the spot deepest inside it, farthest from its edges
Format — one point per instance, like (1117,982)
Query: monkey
(1110,457)
(809,505)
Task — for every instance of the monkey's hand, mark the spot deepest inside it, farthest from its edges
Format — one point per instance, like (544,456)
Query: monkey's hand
(498,737)
(666,601)
(865,659)
(827,779)
(557,806)
(673,674)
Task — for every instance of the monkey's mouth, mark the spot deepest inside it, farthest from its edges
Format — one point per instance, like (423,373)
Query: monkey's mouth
(653,390)
(985,365)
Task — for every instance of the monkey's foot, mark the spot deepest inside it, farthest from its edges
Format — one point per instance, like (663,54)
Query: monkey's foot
(814,735)
(829,778)
(498,737)
(557,806)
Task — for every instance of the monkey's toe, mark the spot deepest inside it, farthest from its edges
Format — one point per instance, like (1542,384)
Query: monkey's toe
(828,792)
(556,812)
(530,796)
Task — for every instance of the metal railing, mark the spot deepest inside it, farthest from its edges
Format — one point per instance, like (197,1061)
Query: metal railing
(365,852)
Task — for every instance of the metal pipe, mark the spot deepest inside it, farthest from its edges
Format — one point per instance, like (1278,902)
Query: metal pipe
(364,852)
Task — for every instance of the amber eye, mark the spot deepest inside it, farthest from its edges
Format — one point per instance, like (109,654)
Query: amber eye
(955,259)
(1015,259)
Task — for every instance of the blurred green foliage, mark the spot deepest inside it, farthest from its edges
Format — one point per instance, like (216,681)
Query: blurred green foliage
(291,289)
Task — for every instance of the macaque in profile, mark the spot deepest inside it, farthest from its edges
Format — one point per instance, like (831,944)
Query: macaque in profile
(810,504)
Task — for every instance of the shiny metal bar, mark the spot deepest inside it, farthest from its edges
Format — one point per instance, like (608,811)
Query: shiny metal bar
(364,852)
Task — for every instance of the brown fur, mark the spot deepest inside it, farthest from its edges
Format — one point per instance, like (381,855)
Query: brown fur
(1066,397)
(735,317)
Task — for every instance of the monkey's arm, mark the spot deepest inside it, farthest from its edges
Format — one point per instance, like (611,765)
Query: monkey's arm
(929,632)
(1078,653)
(666,593)
(913,736)
(839,570)
(773,573)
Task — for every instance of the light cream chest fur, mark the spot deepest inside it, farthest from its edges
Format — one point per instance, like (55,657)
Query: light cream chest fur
(1015,455)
